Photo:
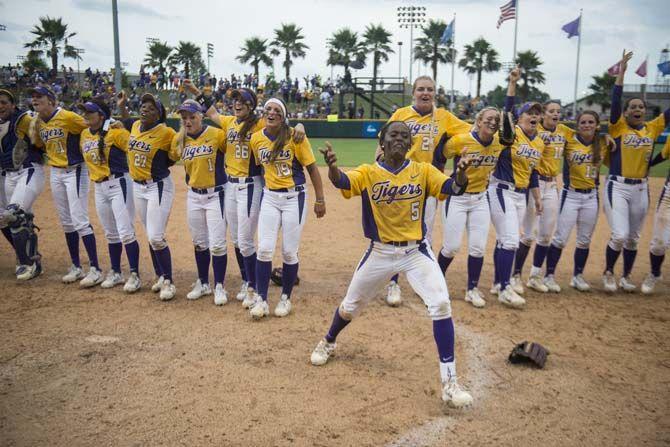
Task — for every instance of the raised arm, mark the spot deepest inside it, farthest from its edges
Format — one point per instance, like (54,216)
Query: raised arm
(514,76)
(617,90)
(320,201)
(329,156)
(207,102)
(122,104)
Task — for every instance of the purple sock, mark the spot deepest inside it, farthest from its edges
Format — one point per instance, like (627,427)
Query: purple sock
(336,326)
(553,255)
(581,255)
(202,258)
(496,264)
(443,262)
(628,261)
(115,250)
(520,259)
(72,240)
(241,264)
(289,275)
(250,270)
(505,259)
(8,235)
(219,264)
(611,257)
(263,270)
(394,278)
(539,255)
(164,259)
(474,270)
(133,255)
(656,262)
(154,261)
(443,331)
(91,249)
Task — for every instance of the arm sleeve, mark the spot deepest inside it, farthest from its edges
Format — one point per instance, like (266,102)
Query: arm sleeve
(304,154)
(222,140)
(121,138)
(128,123)
(76,123)
(615,109)
(534,180)
(169,138)
(352,183)
(657,125)
(663,155)
(509,104)
(23,126)
(439,158)
(455,125)
(253,146)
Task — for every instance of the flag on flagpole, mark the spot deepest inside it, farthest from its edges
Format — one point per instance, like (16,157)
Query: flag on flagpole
(507,12)
(642,70)
(572,28)
(664,68)
(448,33)
(613,70)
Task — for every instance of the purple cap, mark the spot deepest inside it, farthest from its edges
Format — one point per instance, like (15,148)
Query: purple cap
(93,107)
(148,97)
(42,90)
(527,107)
(245,95)
(190,106)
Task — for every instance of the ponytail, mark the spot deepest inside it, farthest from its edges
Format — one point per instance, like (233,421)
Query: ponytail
(181,138)
(249,122)
(282,138)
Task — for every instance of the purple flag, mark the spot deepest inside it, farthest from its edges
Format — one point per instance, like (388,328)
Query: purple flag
(572,28)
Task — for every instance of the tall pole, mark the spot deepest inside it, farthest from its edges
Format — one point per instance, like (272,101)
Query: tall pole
(411,51)
(579,45)
(452,103)
(117,52)
(516,28)
(400,60)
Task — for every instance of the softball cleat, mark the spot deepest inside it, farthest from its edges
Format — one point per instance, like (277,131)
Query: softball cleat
(393,297)
(158,285)
(199,290)
(517,284)
(609,283)
(454,396)
(168,291)
(29,272)
(578,282)
(474,297)
(551,284)
(92,278)
(536,283)
(322,352)
(627,285)
(74,274)
(133,284)
(259,309)
(283,307)
(649,284)
(495,289)
(242,294)
(220,295)
(112,279)
(250,298)
(509,298)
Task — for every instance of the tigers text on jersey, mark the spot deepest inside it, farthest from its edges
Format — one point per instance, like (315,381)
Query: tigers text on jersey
(240,160)
(60,136)
(394,202)
(633,147)
(578,169)
(286,170)
(550,164)
(203,156)
(517,164)
(483,158)
(115,159)
(428,129)
(149,152)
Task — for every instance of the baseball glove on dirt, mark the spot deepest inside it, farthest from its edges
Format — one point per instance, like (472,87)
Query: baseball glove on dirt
(529,352)
(276,276)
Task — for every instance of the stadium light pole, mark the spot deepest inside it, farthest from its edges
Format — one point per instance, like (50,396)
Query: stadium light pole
(411,17)
(79,51)
(117,51)
(3,28)
(210,54)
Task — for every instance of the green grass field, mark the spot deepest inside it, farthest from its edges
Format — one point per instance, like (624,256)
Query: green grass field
(355,151)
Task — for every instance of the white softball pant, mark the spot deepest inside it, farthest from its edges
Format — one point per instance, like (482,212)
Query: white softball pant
(508,208)
(69,187)
(429,216)
(471,212)
(285,210)
(243,203)
(545,224)
(580,209)
(626,206)
(115,205)
(206,220)
(22,187)
(660,241)
(153,203)
(416,261)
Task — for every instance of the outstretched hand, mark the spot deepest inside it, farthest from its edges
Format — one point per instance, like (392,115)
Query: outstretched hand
(515,74)
(329,155)
(461,167)
(625,57)
(121,99)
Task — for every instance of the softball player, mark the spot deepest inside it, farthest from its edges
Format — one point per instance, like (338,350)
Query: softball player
(202,150)
(627,190)
(554,136)
(394,192)
(513,176)
(149,159)
(19,184)
(283,202)
(104,152)
(58,131)
(481,147)
(429,125)
(579,199)
(660,241)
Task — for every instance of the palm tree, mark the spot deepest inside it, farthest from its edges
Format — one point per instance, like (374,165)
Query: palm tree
(345,49)
(50,35)
(376,41)
(34,61)
(602,90)
(158,56)
(478,57)
(189,55)
(288,39)
(429,48)
(531,75)
(255,50)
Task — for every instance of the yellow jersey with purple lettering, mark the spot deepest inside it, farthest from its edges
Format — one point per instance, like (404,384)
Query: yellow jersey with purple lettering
(633,147)
(428,129)
(554,140)
(578,170)
(203,157)
(483,158)
(60,136)
(149,154)
(115,158)
(287,168)
(240,160)
(394,201)
(517,163)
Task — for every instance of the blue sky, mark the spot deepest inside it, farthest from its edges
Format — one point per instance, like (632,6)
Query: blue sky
(608,27)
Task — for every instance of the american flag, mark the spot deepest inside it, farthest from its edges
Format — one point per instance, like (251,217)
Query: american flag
(507,12)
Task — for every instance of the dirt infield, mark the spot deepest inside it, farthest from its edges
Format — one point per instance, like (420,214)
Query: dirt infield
(104,368)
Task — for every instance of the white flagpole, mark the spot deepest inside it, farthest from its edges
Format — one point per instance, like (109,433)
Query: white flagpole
(579,45)
(452,103)
(516,27)
(646,69)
